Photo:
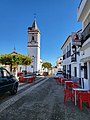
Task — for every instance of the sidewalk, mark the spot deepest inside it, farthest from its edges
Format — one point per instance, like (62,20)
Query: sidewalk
(71,112)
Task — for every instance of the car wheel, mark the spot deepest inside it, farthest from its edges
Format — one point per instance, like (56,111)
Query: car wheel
(14,90)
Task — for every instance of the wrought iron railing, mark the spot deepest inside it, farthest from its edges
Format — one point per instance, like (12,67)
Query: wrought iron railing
(86,33)
(68,54)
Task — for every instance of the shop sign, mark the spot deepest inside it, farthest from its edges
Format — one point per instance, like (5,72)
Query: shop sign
(76,39)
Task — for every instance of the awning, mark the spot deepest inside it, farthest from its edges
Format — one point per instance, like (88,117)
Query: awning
(86,59)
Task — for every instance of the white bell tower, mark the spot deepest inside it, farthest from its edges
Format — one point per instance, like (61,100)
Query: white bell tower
(34,46)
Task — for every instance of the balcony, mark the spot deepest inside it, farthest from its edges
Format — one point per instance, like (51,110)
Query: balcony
(86,33)
(83,9)
(68,54)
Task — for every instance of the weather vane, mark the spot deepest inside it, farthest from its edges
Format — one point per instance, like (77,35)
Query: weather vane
(35,15)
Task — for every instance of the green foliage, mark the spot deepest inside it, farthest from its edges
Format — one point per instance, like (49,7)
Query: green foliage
(47,65)
(15,60)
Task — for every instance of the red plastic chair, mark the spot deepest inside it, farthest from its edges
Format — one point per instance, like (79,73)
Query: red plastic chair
(63,81)
(76,83)
(69,85)
(21,79)
(83,97)
(68,95)
(31,79)
(58,80)
(75,86)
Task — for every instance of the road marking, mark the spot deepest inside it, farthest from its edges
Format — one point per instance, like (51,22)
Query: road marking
(11,101)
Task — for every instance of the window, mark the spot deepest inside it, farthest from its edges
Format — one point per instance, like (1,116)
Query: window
(85,71)
(69,46)
(75,71)
(32,38)
(70,68)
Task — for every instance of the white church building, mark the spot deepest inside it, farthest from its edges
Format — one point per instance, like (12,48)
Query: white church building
(33,50)
(34,47)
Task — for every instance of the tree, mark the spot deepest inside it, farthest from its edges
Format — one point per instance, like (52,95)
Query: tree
(47,65)
(14,60)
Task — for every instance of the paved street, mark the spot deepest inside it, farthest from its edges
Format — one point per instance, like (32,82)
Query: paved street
(42,101)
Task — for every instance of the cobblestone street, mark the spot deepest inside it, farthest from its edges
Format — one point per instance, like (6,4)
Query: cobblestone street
(44,102)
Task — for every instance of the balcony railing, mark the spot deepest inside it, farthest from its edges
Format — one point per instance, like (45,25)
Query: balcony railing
(80,4)
(86,33)
(68,54)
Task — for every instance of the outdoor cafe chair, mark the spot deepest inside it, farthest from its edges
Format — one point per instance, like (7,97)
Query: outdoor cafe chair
(58,80)
(68,95)
(68,84)
(62,82)
(83,97)
(21,79)
(75,86)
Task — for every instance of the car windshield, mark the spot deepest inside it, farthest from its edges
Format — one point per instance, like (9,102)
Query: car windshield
(59,74)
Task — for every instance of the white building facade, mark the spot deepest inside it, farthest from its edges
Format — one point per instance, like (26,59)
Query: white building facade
(71,59)
(76,57)
(66,48)
(34,47)
(59,66)
(84,17)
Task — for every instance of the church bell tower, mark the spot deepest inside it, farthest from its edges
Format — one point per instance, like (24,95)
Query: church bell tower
(34,46)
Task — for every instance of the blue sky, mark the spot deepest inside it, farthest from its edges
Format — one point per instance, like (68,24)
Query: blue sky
(56,19)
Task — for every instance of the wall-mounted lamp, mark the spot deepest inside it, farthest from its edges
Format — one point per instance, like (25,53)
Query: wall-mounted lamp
(73,48)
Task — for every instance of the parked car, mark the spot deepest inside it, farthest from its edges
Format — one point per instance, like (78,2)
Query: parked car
(7,82)
(58,75)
